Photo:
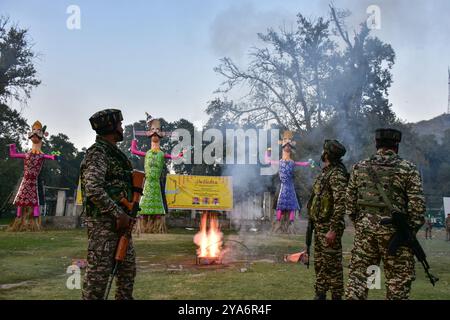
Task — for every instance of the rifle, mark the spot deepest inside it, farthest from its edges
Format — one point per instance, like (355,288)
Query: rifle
(132,209)
(404,235)
(309,236)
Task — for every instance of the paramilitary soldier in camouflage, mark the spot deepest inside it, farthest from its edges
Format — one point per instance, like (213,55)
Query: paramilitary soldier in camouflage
(401,185)
(326,209)
(105,179)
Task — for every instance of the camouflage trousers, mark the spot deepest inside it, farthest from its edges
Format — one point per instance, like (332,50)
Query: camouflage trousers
(369,248)
(103,240)
(328,263)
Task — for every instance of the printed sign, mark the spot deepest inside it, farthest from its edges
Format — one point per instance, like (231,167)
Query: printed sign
(199,192)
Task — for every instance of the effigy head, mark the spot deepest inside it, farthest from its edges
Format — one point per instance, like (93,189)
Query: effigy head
(287,143)
(38,131)
(154,127)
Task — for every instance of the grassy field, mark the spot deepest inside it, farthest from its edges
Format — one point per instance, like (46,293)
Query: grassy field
(33,266)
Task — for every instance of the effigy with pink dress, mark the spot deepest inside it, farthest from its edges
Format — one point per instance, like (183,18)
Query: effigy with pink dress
(27,199)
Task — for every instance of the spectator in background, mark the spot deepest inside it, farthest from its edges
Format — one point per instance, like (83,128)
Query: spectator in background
(428,228)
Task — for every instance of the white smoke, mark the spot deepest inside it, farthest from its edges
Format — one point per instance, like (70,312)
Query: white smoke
(235,29)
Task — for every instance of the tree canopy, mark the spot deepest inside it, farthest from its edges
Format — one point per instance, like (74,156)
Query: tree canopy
(18,75)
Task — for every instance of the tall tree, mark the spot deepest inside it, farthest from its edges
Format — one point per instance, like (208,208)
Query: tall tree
(284,77)
(362,78)
(302,78)
(18,75)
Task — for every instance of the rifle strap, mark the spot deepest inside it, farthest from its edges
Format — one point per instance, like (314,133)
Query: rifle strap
(376,180)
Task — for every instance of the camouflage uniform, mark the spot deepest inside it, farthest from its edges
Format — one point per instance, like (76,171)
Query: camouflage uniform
(402,184)
(105,179)
(326,209)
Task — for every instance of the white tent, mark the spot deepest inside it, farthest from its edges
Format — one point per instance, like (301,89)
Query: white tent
(446,205)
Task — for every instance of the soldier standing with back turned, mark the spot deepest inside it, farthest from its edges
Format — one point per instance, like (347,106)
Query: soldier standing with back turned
(326,209)
(106,178)
(400,183)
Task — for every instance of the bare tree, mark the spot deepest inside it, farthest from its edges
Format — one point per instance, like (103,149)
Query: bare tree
(301,79)
(285,77)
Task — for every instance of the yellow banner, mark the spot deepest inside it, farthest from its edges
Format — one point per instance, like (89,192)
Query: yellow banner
(79,200)
(199,192)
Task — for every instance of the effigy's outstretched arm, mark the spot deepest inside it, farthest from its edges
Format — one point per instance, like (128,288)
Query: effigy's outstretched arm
(309,163)
(178,156)
(51,156)
(13,152)
(134,149)
(267,158)
(302,164)
(169,156)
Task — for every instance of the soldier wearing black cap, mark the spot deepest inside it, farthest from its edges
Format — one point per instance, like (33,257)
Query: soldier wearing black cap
(400,182)
(105,179)
(326,209)
(108,121)
(388,139)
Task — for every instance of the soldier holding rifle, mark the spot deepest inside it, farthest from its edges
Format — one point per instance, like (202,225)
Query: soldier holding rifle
(106,182)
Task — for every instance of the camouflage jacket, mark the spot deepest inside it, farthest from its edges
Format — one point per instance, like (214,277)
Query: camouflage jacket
(105,179)
(401,182)
(327,202)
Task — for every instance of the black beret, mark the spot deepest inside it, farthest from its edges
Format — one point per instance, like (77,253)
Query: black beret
(105,121)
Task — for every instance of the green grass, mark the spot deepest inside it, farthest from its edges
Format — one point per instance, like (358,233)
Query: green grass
(38,262)
(6,220)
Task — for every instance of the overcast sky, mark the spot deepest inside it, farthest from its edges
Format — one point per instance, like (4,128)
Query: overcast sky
(158,56)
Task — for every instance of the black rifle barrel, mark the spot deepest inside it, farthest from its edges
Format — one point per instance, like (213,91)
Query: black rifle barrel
(110,280)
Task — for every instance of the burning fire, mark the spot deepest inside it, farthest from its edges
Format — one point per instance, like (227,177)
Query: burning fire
(209,241)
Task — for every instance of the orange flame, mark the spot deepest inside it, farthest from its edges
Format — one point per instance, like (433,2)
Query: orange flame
(209,241)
